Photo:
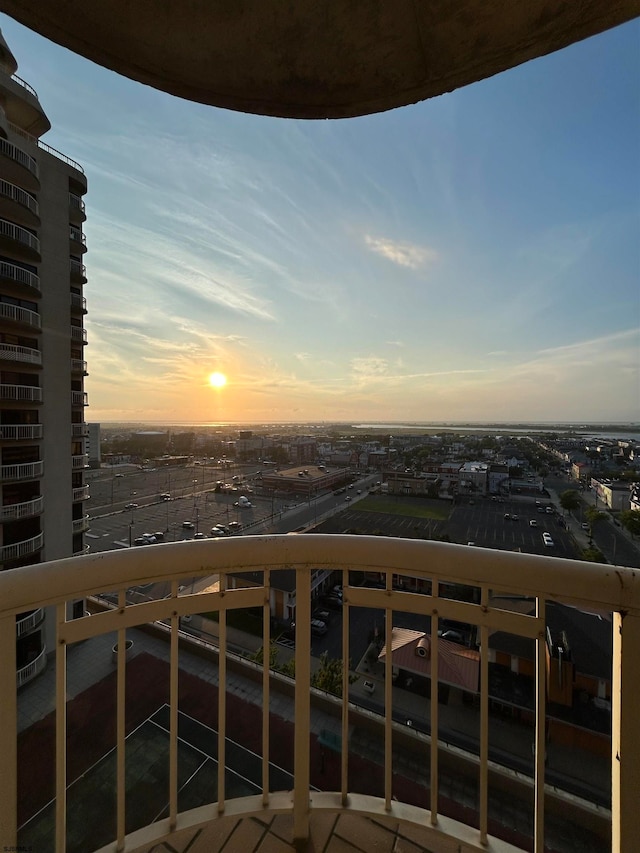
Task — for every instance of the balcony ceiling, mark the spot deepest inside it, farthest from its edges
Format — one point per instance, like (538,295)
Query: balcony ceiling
(311,59)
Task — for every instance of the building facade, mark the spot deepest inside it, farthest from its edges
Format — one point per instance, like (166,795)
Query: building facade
(42,339)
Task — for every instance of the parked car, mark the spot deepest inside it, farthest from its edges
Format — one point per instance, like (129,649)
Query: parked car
(369,687)
(188,525)
(318,628)
(199,536)
(548,541)
(217,530)
(131,506)
(507,515)
(584,525)
(452,636)
(141,541)
(515,518)
(235,526)
(533,523)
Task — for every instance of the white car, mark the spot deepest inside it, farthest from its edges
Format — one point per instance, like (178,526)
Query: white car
(548,541)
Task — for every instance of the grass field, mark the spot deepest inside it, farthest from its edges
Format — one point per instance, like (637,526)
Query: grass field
(393,506)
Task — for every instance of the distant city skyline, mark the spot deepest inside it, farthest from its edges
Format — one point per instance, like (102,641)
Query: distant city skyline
(472,258)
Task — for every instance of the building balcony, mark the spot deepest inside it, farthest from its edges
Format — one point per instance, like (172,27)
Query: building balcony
(19,166)
(79,398)
(15,240)
(23,471)
(16,204)
(81,493)
(17,550)
(80,462)
(21,432)
(79,334)
(79,303)
(76,208)
(14,352)
(77,241)
(30,622)
(27,673)
(78,272)
(26,509)
(21,393)
(13,274)
(79,430)
(81,524)
(348,793)
(79,366)
(24,316)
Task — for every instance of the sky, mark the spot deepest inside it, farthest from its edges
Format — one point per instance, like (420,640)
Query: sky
(472,257)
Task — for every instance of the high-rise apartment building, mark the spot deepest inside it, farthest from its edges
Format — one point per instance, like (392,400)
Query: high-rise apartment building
(42,337)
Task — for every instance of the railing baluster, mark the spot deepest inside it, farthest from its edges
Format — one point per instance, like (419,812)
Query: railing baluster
(484,721)
(173,712)
(120,726)
(435,592)
(344,728)
(303,705)
(388,700)
(266,681)
(222,695)
(8,735)
(540,744)
(61,731)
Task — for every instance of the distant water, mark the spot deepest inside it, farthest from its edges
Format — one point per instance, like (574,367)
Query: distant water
(534,428)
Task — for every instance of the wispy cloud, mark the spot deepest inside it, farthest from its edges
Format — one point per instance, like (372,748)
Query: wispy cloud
(404,254)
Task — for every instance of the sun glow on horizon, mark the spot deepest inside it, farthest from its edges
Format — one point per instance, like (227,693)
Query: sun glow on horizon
(217,380)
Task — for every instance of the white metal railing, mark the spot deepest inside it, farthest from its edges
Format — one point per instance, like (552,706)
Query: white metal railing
(80,462)
(20,235)
(31,670)
(78,334)
(79,430)
(26,509)
(28,623)
(21,549)
(585,585)
(20,275)
(77,268)
(26,160)
(78,301)
(23,471)
(81,524)
(44,147)
(14,352)
(19,315)
(76,202)
(20,432)
(79,398)
(19,195)
(80,493)
(77,235)
(21,393)
(78,365)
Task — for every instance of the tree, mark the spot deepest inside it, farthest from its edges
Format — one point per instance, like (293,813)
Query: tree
(630,519)
(569,499)
(328,676)
(594,515)
(593,555)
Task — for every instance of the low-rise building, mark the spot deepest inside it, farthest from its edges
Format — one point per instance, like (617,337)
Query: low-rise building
(614,494)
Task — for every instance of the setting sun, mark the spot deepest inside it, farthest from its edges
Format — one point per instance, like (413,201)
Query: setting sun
(217,380)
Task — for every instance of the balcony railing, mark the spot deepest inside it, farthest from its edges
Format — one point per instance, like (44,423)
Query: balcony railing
(14,352)
(81,493)
(80,462)
(583,585)
(22,276)
(78,366)
(19,315)
(78,301)
(32,669)
(28,623)
(79,430)
(21,549)
(21,393)
(19,195)
(26,509)
(20,156)
(78,334)
(20,235)
(20,432)
(77,269)
(81,524)
(77,235)
(23,471)
(25,85)
(79,398)
(76,202)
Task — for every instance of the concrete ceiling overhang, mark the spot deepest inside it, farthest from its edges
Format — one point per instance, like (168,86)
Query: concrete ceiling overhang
(315,58)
